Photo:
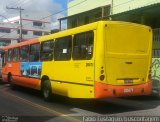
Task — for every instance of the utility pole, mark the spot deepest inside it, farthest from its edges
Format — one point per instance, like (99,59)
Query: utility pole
(111,9)
(20,15)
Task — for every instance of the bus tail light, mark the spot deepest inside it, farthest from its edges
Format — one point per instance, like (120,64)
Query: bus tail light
(102,76)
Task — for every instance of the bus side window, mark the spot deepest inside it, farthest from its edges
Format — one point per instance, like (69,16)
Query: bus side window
(34,52)
(62,50)
(10,54)
(24,53)
(83,46)
(89,43)
(4,58)
(16,54)
(47,48)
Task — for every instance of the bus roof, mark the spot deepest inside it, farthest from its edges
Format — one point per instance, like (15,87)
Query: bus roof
(83,28)
(21,44)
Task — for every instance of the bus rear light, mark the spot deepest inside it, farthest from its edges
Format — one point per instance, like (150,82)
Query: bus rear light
(102,77)
(102,71)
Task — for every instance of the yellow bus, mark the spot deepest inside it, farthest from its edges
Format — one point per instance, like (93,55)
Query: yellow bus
(98,60)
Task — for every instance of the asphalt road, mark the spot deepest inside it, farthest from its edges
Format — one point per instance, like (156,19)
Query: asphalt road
(26,105)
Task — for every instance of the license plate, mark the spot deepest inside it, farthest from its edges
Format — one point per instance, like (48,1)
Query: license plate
(128,90)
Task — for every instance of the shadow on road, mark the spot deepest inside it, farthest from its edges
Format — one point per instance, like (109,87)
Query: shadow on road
(102,106)
(110,105)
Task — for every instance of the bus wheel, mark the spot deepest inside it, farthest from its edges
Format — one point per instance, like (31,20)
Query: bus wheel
(46,90)
(10,81)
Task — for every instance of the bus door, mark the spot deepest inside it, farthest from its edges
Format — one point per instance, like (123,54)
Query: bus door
(83,62)
(72,75)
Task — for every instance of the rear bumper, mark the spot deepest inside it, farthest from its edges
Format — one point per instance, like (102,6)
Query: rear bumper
(104,90)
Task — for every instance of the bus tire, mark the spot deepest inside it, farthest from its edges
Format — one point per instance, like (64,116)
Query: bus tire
(46,90)
(10,81)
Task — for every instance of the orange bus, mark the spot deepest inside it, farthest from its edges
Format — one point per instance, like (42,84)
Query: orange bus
(97,60)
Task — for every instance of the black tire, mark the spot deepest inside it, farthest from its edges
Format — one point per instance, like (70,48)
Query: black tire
(47,90)
(10,78)
(10,81)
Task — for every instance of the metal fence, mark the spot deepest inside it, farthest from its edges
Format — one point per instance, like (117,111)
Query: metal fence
(156,35)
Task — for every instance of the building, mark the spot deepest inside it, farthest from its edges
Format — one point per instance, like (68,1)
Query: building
(82,12)
(33,26)
(138,11)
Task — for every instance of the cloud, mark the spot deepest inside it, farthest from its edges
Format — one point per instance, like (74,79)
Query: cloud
(32,6)
(42,5)
(55,23)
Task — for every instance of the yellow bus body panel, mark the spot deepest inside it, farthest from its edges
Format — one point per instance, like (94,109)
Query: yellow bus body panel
(71,78)
(122,51)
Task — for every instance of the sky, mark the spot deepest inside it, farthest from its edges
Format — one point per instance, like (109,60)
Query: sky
(51,6)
